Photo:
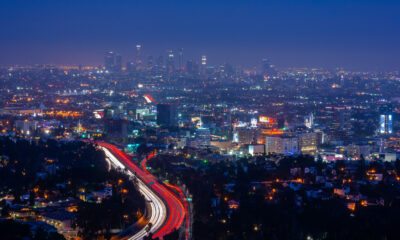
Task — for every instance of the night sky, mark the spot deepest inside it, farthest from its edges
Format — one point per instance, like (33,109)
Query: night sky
(357,34)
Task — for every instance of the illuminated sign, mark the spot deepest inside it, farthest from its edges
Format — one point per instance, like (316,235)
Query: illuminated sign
(240,124)
(272,131)
(265,119)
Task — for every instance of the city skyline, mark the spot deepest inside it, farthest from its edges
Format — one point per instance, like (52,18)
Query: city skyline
(356,35)
(199,120)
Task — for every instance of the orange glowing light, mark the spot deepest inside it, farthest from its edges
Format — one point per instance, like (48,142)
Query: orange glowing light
(364,203)
(351,206)
(272,131)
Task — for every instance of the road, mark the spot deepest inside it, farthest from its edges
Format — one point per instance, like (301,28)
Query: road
(182,198)
(167,211)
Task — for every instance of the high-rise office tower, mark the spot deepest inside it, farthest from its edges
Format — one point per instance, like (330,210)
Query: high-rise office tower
(150,62)
(203,65)
(189,67)
(203,137)
(138,54)
(130,67)
(309,121)
(192,67)
(171,62)
(385,124)
(180,59)
(118,63)
(160,62)
(166,114)
(109,60)
(203,60)
(267,68)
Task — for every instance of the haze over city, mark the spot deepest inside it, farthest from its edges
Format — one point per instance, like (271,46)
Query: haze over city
(199,120)
(356,35)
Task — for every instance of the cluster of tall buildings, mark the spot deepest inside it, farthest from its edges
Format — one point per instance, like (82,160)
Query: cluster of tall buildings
(170,62)
(113,62)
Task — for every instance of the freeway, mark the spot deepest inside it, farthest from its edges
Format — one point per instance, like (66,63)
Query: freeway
(167,211)
(182,198)
(157,206)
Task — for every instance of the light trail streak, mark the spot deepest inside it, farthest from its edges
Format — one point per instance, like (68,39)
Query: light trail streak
(169,211)
(158,208)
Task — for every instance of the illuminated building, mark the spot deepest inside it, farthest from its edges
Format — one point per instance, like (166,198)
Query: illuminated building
(309,121)
(254,149)
(203,137)
(308,143)
(203,64)
(62,220)
(385,156)
(203,60)
(244,135)
(25,126)
(286,145)
(223,145)
(21,111)
(385,124)
(355,150)
(235,138)
(141,113)
(253,122)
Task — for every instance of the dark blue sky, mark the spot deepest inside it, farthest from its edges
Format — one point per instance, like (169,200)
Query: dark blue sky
(357,34)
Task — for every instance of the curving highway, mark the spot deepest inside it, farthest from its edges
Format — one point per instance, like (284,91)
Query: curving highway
(167,210)
(182,198)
